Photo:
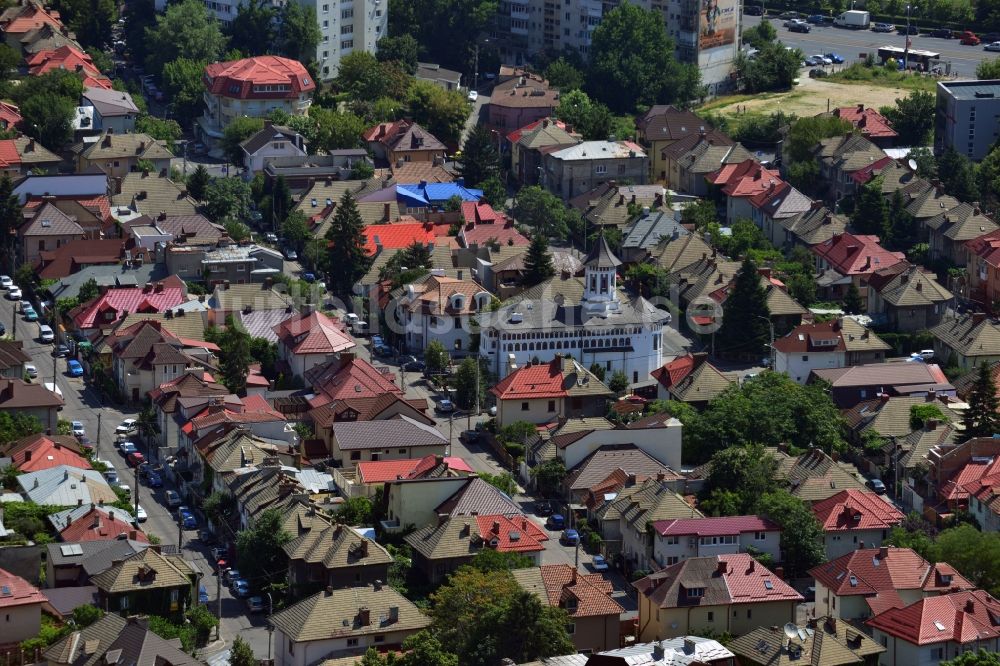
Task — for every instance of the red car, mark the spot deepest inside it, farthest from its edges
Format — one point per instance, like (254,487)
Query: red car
(969,38)
(135,459)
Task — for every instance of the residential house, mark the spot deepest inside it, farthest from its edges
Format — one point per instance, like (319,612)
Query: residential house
(416,502)
(422,197)
(34,453)
(10,116)
(647,232)
(224,262)
(403,141)
(854,519)
(594,616)
(847,162)
(309,339)
(547,392)
(182,229)
(658,435)
(926,201)
(94,522)
(867,581)
(823,641)
(681,538)
(967,341)
(65,486)
(75,255)
(20,609)
(166,400)
(953,467)
(349,377)
(741,183)
(364,617)
(483,226)
(118,154)
(983,267)
(675,255)
(690,159)
(113,110)
(528,145)
(301,173)
(374,474)
(609,470)
(907,298)
(775,209)
(23,155)
(939,628)
(253,87)
(784,311)
(114,638)
(836,343)
(690,378)
(440,309)
(231,299)
(223,450)
(870,124)
(253,413)
(889,416)
(864,382)
(270,142)
(72,564)
(443,546)
(12,358)
(438,75)
(520,100)
(322,554)
(615,205)
(680,651)
(48,228)
(146,355)
(147,582)
(141,193)
(21,397)
(69,57)
(950,231)
(390,439)
(387,405)
(812,227)
(725,593)
(662,126)
(26,16)
(851,259)
(91,211)
(107,308)
(568,172)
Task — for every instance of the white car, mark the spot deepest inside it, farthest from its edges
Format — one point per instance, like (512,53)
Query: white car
(6,282)
(992,46)
(819,57)
(172,498)
(78,429)
(126,427)
(473,95)
(14,293)
(140,514)
(31,370)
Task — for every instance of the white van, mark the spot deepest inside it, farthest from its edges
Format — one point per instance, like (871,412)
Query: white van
(360,327)
(45,333)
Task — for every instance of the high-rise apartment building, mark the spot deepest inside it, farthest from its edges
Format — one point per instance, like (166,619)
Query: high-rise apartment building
(706,33)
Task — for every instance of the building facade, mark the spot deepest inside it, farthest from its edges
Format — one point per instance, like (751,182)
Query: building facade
(967,117)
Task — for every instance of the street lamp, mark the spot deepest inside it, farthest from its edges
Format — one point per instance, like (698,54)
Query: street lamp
(770,325)
(906,44)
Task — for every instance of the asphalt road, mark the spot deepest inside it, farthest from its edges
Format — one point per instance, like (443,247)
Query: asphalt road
(852,43)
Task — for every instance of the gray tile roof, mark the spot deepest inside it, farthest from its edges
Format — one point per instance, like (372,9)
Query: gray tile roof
(50,221)
(110,102)
(479,497)
(65,486)
(152,194)
(647,231)
(115,640)
(397,432)
(597,466)
(969,337)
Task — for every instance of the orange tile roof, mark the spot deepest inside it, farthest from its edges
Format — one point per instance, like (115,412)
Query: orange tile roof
(745,179)
(397,236)
(884,571)
(101,525)
(515,534)
(313,333)
(243,75)
(962,617)
(852,254)
(31,17)
(871,123)
(592,592)
(9,157)
(854,509)
(38,452)
(533,382)
(21,592)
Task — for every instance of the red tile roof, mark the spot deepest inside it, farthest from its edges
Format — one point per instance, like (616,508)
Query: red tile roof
(592,592)
(880,573)
(856,510)
(987,247)
(237,78)
(32,16)
(397,236)
(107,308)
(871,123)
(514,136)
(970,479)
(10,115)
(65,57)
(673,372)
(714,526)
(744,179)
(9,157)
(255,409)
(869,171)
(354,378)
(313,333)
(17,592)
(962,617)
(533,382)
(380,471)
(850,254)
(515,534)
(38,452)
(723,579)
(101,525)
(483,224)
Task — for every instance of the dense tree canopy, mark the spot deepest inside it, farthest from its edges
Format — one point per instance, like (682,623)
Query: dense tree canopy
(912,117)
(185,30)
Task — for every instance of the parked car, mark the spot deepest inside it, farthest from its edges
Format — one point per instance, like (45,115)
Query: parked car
(309,276)
(219,553)
(789,15)
(473,95)
(78,428)
(74,368)
(883,27)
(822,59)
(818,73)
(172,498)
(468,436)
(992,46)
(942,33)
(969,39)
(60,351)
(753,10)
(876,486)
(926,354)
(990,37)
(599,563)
(31,370)
(792,21)
(913,30)
(835,58)
(29,312)
(127,447)
(140,514)
(135,459)
(241,589)
(543,508)
(255,605)
(413,364)
(14,293)
(126,427)
(85,443)
(187,518)
(570,537)
(818,19)
(229,576)
(271,237)
(291,254)
(6,282)
(444,406)
(800,27)
(154,480)
(202,595)
(556,521)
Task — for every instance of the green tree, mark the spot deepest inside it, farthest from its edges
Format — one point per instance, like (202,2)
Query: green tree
(403,49)
(480,159)
(745,313)
(563,75)
(182,79)
(981,418)
(259,550)
(988,69)
(470,392)
(423,649)
(147,425)
(236,132)
(348,259)
(295,230)
(540,210)
(299,32)
(436,357)
(281,200)
(632,62)
(162,129)
(871,212)
(185,30)
(86,615)
(902,225)
(9,60)
(227,198)
(760,35)
(89,20)
(538,261)
(447,30)
(598,370)
(806,132)
(852,300)
(252,30)
(235,356)
(89,290)
(336,129)
(442,112)
(10,220)
(504,482)
(700,214)
(592,119)
(407,265)
(958,175)
(139,16)
(494,191)
(912,117)
(197,183)
(773,68)
(747,471)
(355,511)
(801,533)
(49,118)
(618,382)
(549,476)
(975,554)
(980,658)
(241,654)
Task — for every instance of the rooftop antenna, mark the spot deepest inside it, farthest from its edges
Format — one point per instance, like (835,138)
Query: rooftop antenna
(791,632)
(912,163)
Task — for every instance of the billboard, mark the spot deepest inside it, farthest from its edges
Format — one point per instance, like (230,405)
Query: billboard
(717,23)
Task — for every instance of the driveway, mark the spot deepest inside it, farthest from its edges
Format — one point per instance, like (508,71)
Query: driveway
(474,117)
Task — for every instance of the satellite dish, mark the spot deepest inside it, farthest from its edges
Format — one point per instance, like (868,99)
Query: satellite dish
(791,630)
(912,163)
(802,634)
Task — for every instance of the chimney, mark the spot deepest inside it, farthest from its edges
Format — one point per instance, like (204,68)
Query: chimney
(689,645)
(329,591)
(721,568)
(883,552)
(970,606)
(931,396)
(630,481)
(779,572)
(364,616)
(831,624)
(861,108)
(978,317)
(920,286)
(931,425)
(106,141)
(377,585)
(393,614)
(27,455)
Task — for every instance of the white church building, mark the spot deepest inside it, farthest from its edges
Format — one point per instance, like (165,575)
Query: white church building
(588,318)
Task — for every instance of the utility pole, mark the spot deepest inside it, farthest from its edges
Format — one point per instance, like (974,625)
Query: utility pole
(475,75)
(97,441)
(218,597)
(137,497)
(906,45)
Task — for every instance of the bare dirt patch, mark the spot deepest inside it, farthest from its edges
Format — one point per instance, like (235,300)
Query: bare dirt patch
(810,97)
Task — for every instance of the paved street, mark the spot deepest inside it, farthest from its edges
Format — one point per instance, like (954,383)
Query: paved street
(852,43)
(473,119)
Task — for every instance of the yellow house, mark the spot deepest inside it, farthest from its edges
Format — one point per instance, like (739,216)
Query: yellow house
(118,154)
(20,609)
(731,594)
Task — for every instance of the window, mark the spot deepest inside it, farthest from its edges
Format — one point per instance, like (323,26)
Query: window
(672,560)
(621,168)
(241,267)
(349,44)
(672,541)
(749,613)
(124,603)
(695,592)
(524,406)
(347,29)
(352,642)
(458,322)
(570,628)
(711,616)
(552,405)
(937,653)
(601,169)
(759,536)
(355,455)
(291,648)
(402,452)
(117,163)
(326,8)
(347,13)
(326,24)
(805,357)
(380,638)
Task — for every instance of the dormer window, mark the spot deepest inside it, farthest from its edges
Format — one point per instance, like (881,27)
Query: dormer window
(457,302)
(695,592)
